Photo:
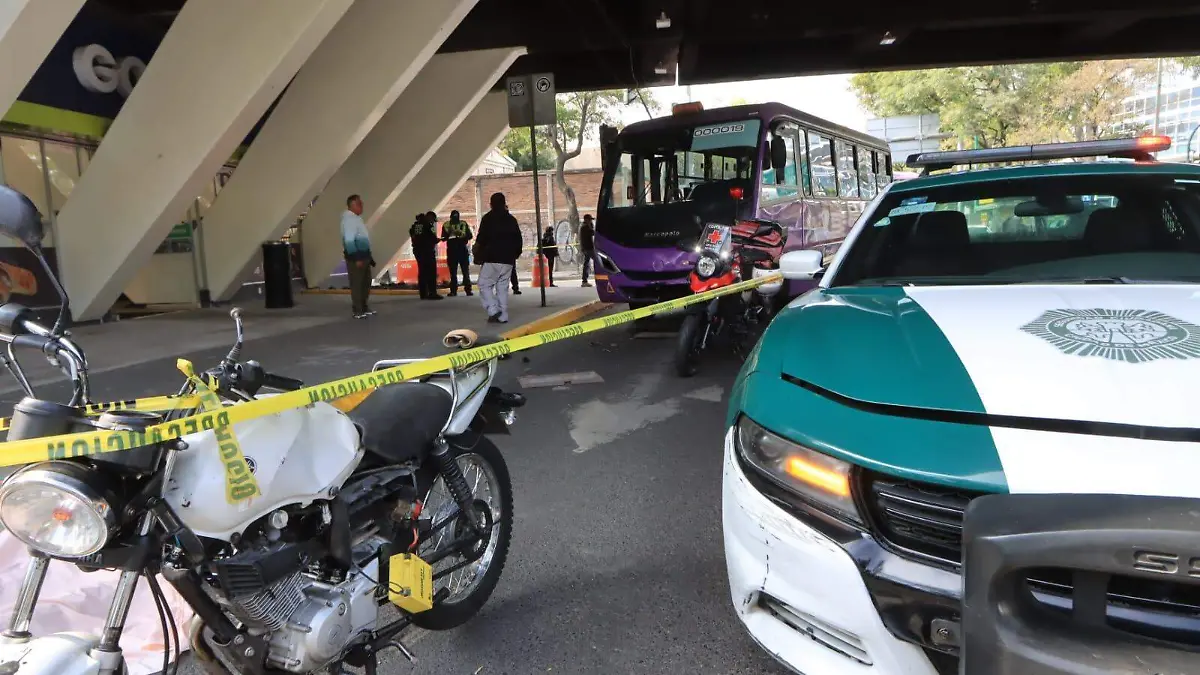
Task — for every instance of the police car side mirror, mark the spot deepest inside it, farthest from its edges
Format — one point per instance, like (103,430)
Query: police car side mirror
(800,265)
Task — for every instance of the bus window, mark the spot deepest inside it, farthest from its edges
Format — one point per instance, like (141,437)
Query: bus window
(671,177)
(618,196)
(802,162)
(884,176)
(780,182)
(866,173)
(847,176)
(821,158)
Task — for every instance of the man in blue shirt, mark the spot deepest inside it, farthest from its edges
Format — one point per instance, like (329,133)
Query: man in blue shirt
(356,247)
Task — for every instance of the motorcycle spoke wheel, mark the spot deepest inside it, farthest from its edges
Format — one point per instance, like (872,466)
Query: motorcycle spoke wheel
(468,578)
(441,506)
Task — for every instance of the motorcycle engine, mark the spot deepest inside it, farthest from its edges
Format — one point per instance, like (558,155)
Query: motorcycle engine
(306,618)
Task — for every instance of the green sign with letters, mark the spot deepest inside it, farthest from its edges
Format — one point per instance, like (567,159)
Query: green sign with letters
(181,232)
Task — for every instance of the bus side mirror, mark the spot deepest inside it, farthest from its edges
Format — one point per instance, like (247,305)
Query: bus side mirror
(766,155)
(778,158)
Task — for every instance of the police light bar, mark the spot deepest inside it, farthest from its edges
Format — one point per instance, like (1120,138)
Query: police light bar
(685,108)
(1138,149)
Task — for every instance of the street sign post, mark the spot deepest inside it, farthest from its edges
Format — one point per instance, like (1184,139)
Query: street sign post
(531,104)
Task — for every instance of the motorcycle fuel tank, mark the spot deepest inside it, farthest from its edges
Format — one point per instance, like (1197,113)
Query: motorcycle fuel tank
(296,455)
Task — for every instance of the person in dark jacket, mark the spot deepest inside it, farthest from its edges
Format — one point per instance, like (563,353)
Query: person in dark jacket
(496,248)
(456,233)
(424,244)
(550,250)
(587,246)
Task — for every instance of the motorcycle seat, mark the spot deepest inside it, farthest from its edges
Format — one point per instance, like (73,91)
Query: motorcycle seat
(400,421)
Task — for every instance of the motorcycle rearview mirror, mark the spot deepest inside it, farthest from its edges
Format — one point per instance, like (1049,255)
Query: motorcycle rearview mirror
(20,220)
(235,351)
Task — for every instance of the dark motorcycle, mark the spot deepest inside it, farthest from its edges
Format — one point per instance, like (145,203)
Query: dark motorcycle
(728,255)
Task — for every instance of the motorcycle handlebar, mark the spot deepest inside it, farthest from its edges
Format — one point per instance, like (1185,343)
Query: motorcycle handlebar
(38,342)
(16,319)
(281,383)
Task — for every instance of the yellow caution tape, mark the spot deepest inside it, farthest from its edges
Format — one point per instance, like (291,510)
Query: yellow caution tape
(240,483)
(88,443)
(149,404)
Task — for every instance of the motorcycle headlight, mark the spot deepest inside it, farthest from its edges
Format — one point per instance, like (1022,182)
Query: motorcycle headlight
(819,479)
(51,507)
(706,266)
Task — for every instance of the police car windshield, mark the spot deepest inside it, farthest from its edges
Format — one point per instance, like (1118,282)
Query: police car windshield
(1122,228)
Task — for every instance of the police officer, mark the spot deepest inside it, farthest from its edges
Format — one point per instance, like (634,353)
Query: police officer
(456,233)
(424,242)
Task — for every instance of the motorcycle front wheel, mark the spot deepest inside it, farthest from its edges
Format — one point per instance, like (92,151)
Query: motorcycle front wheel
(687,346)
(469,587)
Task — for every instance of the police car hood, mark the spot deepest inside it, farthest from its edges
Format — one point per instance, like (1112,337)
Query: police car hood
(1120,354)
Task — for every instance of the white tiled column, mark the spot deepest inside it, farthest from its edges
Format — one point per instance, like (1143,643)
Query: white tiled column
(220,66)
(348,84)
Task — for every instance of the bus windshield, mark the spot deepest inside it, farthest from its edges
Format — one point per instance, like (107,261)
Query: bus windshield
(689,163)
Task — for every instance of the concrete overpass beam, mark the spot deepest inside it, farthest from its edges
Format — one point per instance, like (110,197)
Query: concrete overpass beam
(29,29)
(217,70)
(343,90)
(441,175)
(407,137)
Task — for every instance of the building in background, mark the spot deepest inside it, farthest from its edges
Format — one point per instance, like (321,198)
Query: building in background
(1178,114)
(589,158)
(495,162)
(908,134)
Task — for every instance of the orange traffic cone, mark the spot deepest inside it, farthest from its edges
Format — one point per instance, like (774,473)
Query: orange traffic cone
(540,271)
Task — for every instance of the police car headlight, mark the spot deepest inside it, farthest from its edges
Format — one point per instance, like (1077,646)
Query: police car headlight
(706,266)
(54,508)
(820,480)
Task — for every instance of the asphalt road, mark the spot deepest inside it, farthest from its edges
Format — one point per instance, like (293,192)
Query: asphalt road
(616,563)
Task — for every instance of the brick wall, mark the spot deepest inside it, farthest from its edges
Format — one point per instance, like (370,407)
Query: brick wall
(518,191)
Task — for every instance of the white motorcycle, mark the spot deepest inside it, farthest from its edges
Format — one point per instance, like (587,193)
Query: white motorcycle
(292,579)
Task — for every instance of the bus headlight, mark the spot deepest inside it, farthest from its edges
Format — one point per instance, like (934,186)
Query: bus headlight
(706,266)
(53,508)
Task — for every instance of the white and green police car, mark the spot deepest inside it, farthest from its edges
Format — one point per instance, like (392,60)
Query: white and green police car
(1021,329)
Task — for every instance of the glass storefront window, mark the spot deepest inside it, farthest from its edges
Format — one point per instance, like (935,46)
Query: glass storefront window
(205,201)
(22,164)
(62,166)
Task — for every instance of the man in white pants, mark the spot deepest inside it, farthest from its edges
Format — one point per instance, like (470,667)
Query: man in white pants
(497,245)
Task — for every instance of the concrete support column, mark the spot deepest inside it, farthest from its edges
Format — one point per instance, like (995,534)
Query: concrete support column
(220,66)
(441,176)
(340,93)
(408,136)
(29,29)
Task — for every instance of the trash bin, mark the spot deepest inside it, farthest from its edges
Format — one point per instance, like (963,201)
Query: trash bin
(277,275)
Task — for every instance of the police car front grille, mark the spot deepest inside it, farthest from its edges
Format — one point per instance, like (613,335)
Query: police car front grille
(925,521)
(917,518)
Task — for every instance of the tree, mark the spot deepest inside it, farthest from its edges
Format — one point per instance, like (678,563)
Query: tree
(580,115)
(1191,64)
(1087,103)
(516,146)
(990,106)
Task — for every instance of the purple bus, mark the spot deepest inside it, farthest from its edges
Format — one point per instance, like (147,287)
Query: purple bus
(665,178)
